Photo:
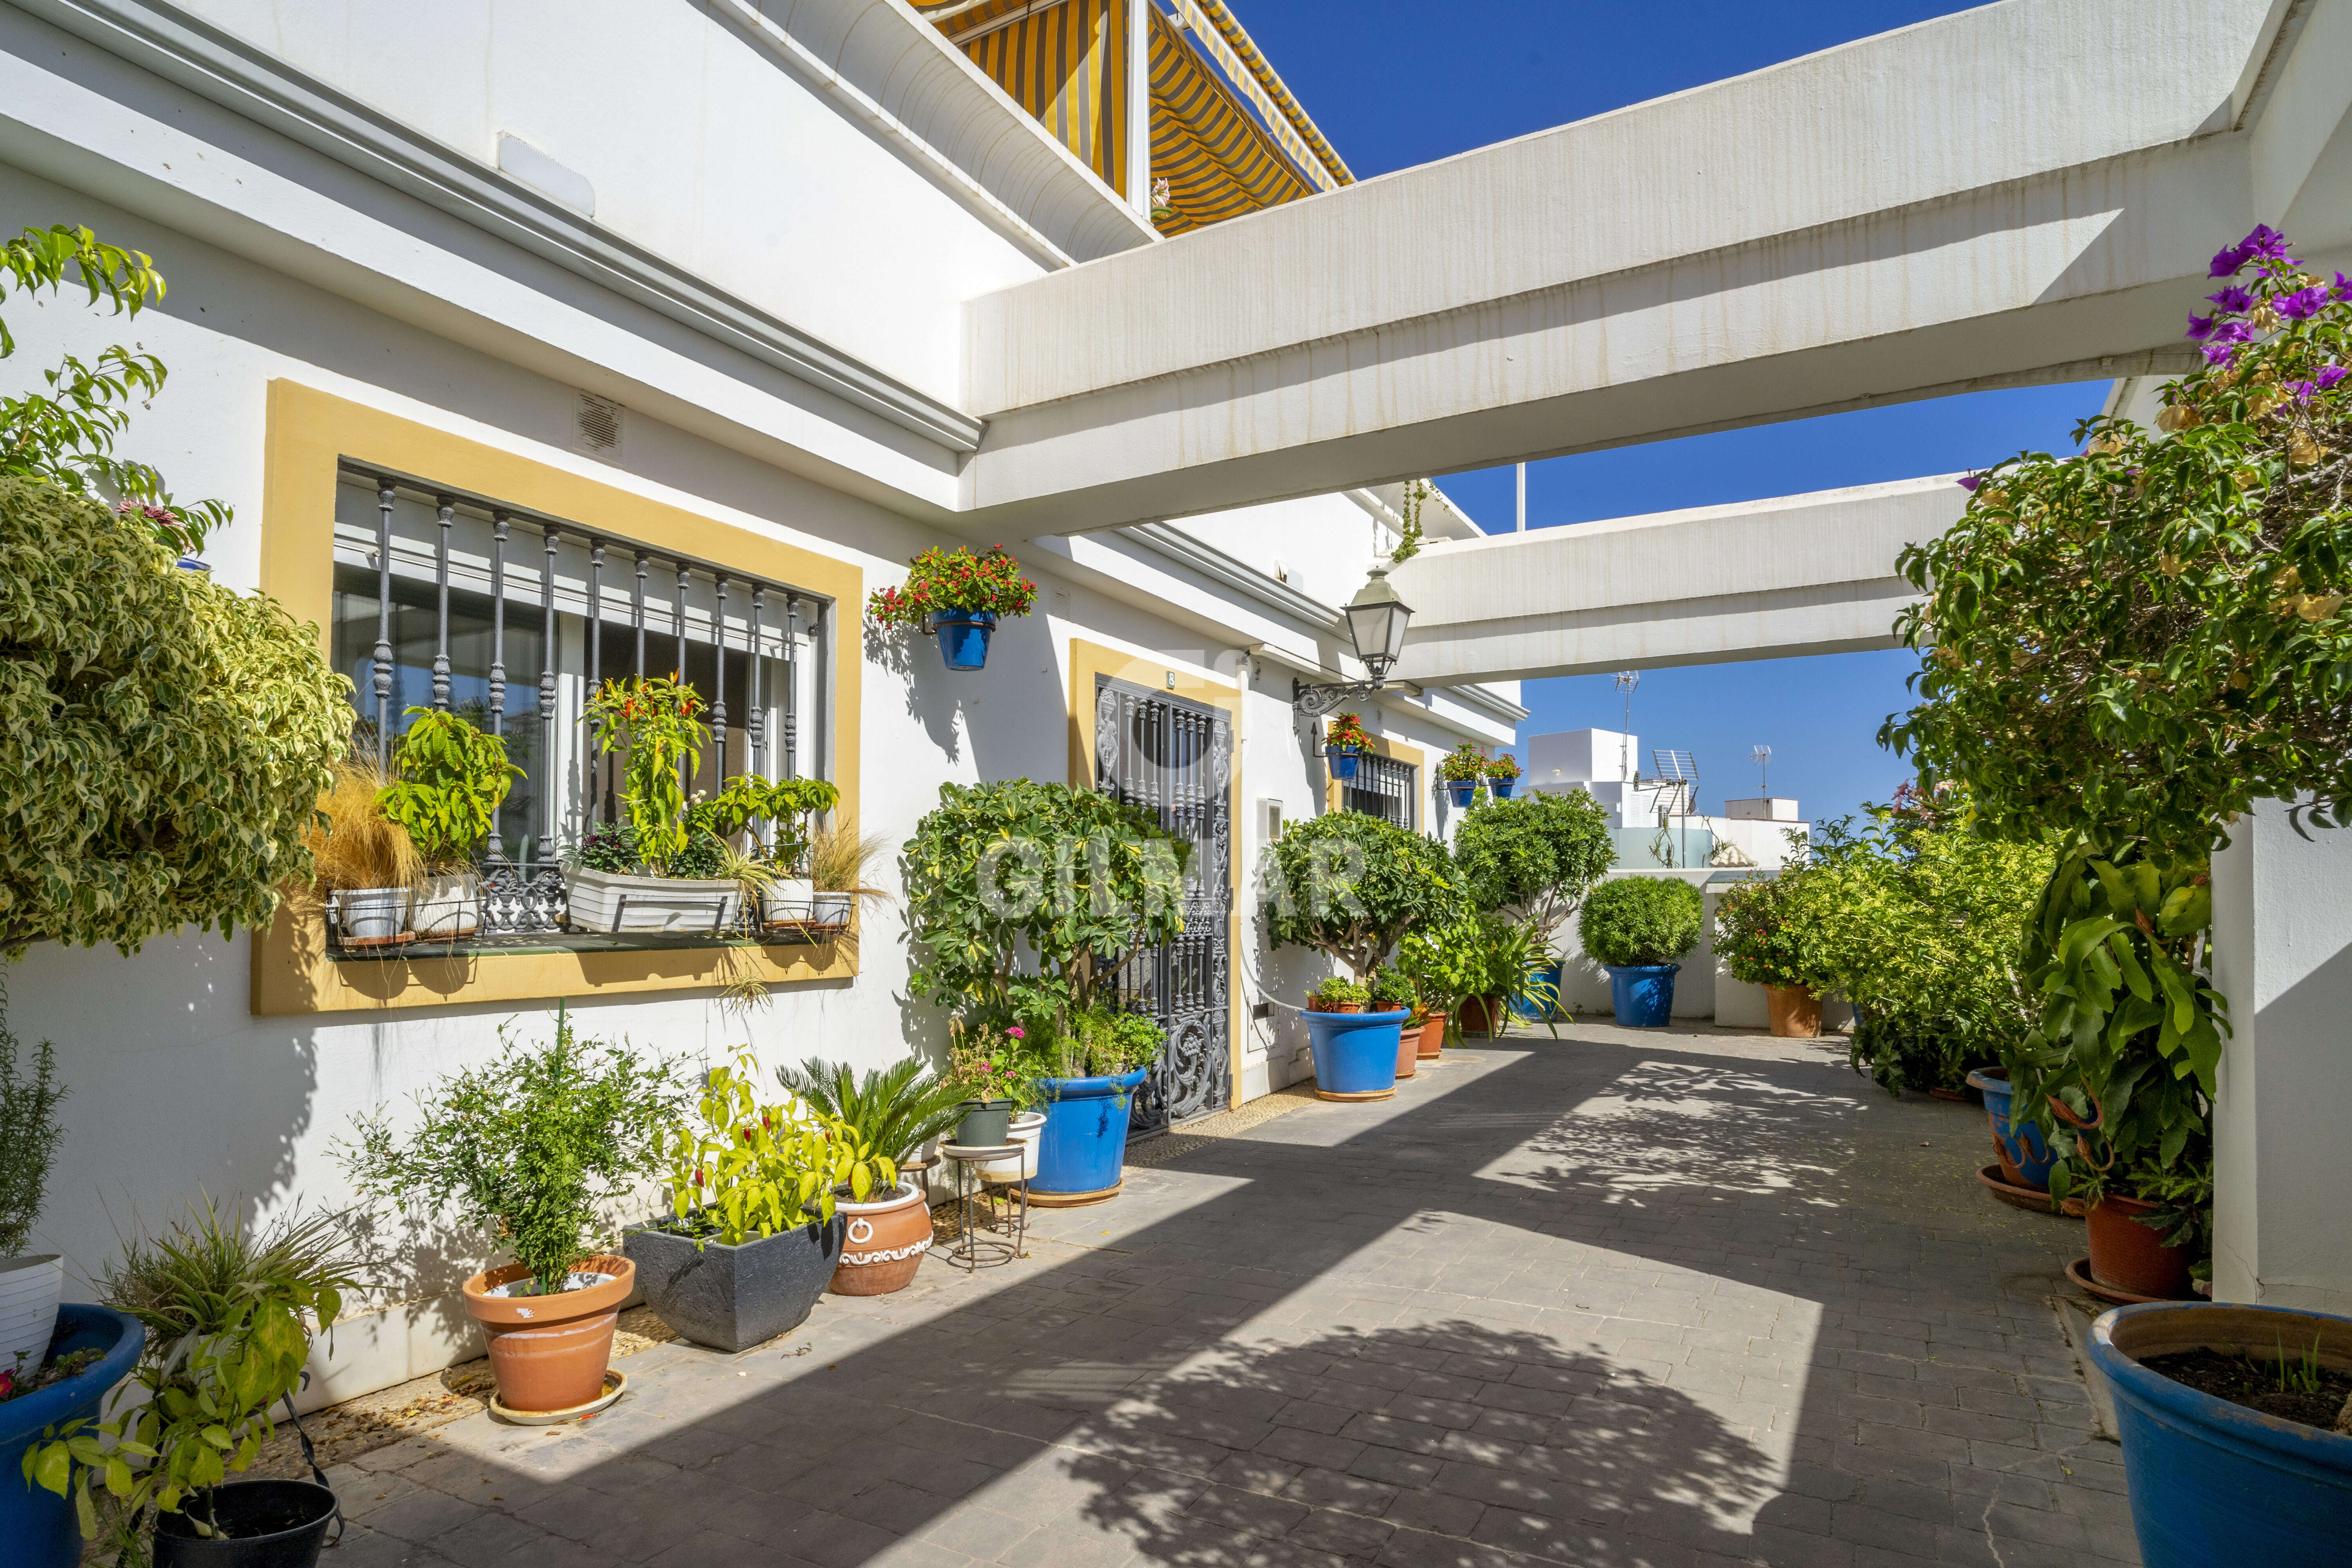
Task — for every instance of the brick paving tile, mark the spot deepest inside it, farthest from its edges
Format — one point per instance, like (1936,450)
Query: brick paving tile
(1677,1299)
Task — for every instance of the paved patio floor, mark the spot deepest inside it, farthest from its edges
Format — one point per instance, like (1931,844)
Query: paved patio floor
(1631,1300)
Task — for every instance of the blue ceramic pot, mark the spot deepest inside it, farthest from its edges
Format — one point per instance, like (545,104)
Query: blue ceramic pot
(1085,1138)
(1500,788)
(2212,1482)
(1355,1053)
(2024,1146)
(1527,1011)
(37,1525)
(1643,994)
(963,637)
(1342,762)
(1460,792)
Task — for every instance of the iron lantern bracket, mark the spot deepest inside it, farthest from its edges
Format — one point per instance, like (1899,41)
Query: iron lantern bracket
(1314,702)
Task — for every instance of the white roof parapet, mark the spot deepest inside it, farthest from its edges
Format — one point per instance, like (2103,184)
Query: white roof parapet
(1806,573)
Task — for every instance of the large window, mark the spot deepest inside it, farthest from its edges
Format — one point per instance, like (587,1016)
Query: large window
(1383,787)
(510,618)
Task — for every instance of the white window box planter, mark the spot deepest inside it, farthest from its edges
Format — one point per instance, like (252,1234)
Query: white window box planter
(608,901)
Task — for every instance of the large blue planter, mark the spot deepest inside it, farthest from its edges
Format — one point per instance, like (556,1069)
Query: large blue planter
(963,637)
(1527,1011)
(1355,1053)
(1500,788)
(1643,994)
(1342,764)
(35,1524)
(1085,1138)
(1461,793)
(2022,1144)
(2212,1482)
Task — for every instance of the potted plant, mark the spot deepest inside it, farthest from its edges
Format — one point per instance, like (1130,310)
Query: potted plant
(530,1148)
(664,873)
(1638,928)
(449,780)
(1391,989)
(775,813)
(228,1314)
(1462,769)
(1097,1058)
(30,1283)
(957,596)
(2234,1437)
(996,1074)
(1352,887)
(840,861)
(1760,935)
(1502,773)
(878,1121)
(1339,994)
(1504,965)
(1532,859)
(1344,743)
(92,1350)
(364,867)
(1443,964)
(751,1236)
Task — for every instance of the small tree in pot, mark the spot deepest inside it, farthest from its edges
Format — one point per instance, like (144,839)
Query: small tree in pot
(534,1148)
(449,780)
(1638,928)
(29,1285)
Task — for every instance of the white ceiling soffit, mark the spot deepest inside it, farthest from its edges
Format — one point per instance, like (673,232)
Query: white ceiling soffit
(900,72)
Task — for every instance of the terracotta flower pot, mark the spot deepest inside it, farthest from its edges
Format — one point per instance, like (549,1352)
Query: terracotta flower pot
(1433,1037)
(1315,1006)
(1480,1014)
(549,1353)
(1408,1052)
(1796,1011)
(2132,1257)
(887,1238)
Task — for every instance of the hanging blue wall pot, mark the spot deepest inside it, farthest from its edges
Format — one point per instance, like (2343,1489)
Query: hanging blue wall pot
(1461,791)
(1500,788)
(1343,763)
(963,637)
(2212,1482)
(1643,994)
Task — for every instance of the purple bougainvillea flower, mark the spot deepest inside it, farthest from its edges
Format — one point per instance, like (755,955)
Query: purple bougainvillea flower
(2302,390)
(1970,481)
(2199,328)
(2343,289)
(2232,298)
(2330,375)
(2304,303)
(2218,354)
(2233,332)
(2227,262)
(2266,244)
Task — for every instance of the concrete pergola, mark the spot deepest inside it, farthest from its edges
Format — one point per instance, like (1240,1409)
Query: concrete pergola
(2026,193)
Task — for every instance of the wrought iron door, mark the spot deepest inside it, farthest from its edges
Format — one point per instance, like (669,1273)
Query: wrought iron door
(1174,759)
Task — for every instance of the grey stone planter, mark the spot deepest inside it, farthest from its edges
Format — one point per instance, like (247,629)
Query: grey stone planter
(733,1298)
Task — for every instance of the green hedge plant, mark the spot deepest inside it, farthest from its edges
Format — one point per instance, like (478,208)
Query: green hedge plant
(1641,920)
(163,741)
(1351,887)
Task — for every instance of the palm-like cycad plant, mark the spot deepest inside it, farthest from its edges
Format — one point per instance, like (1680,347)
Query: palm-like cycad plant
(892,1111)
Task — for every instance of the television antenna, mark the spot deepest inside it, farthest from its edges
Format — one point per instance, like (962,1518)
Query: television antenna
(1678,775)
(1626,680)
(1762,757)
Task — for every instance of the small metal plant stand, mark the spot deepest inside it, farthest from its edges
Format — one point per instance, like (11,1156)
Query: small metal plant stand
(1005,1235)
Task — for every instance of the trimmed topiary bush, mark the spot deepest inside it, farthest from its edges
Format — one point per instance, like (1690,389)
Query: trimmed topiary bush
(1352,886)
(1640,919)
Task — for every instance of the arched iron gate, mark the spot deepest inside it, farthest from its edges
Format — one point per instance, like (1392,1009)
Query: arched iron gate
(1174,759)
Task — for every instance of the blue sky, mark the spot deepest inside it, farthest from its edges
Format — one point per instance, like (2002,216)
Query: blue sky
(1394,83)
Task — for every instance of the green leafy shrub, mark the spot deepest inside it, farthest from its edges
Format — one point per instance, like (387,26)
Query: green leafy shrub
(1640,920)
(228,1314)
(530,1147)
(895,1110)
(29,1143)
(450,779)
(163,741)
(1022,897)
(1105,1042)
(1337,991)
(1535,856)
(1392,989)
(745,1171)
(1352,886)
(1761,935)
(657,722)
(1465,764)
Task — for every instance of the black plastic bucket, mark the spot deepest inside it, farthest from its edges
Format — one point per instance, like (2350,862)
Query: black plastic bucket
(261,1524)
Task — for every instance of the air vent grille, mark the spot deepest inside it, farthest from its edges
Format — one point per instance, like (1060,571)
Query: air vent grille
(597,424)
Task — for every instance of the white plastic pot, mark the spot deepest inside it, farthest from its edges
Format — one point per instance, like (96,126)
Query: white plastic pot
(371,914)
(787,899)
(609,901)
(30,1288)
(448,906)
(1026,1129)
(831,909)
